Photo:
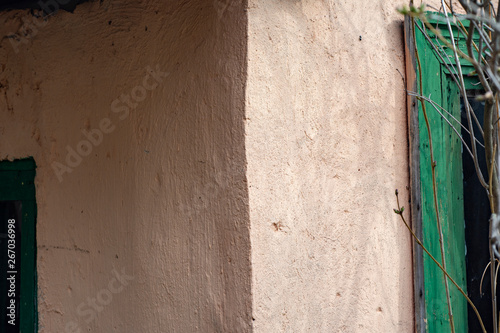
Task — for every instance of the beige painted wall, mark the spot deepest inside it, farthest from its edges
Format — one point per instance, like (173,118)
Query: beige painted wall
(164,195)
(326,148)
(317,128)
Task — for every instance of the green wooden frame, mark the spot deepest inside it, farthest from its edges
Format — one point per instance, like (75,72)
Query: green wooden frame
(431,312)
(17,183)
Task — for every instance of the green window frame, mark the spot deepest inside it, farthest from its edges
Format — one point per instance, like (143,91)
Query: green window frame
(17,184)
(431,312)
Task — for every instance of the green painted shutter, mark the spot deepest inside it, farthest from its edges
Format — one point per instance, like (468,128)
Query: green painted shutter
(438,84)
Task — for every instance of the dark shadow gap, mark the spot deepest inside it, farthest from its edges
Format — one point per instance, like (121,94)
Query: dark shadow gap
(47,6)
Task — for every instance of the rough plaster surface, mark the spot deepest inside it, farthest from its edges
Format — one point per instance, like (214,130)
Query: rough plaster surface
(317,127)
(326,148)
(164,196)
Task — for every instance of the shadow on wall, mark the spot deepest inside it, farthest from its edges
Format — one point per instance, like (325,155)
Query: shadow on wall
(149,231)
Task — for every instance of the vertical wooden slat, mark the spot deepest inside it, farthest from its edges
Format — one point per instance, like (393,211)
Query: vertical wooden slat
(415,193)
(431,311)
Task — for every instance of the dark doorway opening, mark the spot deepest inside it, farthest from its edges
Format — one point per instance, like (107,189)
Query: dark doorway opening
(476,215)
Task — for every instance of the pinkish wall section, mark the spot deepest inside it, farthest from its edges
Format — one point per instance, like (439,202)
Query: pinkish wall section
(163,198)
(318,131)
(326,148)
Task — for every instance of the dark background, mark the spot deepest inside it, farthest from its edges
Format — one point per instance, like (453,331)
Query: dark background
(477,215)
(30,4)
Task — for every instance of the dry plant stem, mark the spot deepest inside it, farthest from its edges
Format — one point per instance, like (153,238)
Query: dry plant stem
(481,40)
(477,66)
(480,15)
(400,213)
(438,34)
(458,52)
(434,191)
(452,70)
(482,278)
(496,277)
(461,27)
(490,149)
(466,103)
(496,122)
(489,143)
(437,107)
(484,272)
(490,152)
(493,196)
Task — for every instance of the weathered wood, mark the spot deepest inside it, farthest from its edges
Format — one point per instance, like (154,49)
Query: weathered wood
(415,194)
(431,311)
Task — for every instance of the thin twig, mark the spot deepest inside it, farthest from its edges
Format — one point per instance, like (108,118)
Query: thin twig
(437,107)
(434,189)
(453,72)
(482,277)
(399,211)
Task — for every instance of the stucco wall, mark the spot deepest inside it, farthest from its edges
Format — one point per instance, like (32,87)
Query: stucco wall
(162,198)
(316,125)
(326,148)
